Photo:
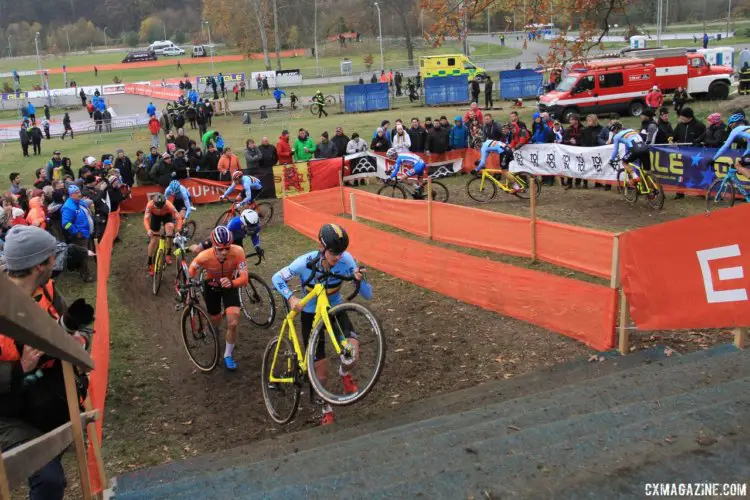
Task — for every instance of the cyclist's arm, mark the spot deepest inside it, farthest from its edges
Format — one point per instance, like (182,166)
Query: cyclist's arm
(485,153)
(229,190)
(396,167)
(175,215)
(147,218)
(365,290)
(242,278)
(286,274)
(255,238)
(196,265)
(616,147)
(186,199)
(728,143)
(249,185)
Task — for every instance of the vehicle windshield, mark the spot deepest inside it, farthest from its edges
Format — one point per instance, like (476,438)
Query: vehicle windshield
(567,83)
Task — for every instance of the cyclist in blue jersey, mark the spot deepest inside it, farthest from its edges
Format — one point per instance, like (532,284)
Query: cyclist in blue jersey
(418,167)
(506,154)
(181,199)
(331,256)
(635,149)
(740,131)
(246,224)
(248,183)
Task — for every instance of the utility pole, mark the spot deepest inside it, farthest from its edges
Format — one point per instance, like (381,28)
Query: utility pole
(489,33)
(315,36)
(729,16)
(164,25)
(68,38)
(105,37)
(210,47)
(380,33)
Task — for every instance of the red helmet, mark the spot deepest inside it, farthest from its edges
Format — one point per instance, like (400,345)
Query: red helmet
(237,175)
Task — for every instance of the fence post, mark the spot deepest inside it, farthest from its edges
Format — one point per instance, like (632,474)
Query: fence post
(532,185)
(353,204)
(4,489)
(341,189)
(623,346)
(429,207)
(95,445)
(740,337)
(614,283)
(75,420)
(283,182)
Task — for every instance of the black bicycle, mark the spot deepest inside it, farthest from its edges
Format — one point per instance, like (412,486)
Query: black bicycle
(256,298)
(395,188)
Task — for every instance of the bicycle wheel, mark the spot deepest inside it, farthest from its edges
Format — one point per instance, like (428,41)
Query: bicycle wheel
(265,213)
(258,304)
(355,322)
(281,398)
(392,191)
(330,100)
(188,229)
(158,269)
(224,218)
(200,338)
(655,198)
(623,182)
(314,108)
(525,184)
(481,192)
(720,195)
(440,193)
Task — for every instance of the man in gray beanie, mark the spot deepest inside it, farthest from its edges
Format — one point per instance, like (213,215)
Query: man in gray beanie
(32,388)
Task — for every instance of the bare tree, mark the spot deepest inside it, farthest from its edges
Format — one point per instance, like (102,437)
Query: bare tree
(276,35)
(261,17)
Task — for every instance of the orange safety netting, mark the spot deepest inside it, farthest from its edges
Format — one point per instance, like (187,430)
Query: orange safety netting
(579,248)
(580,310)
(100,345)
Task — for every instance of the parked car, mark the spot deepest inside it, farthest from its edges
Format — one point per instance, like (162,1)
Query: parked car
(173,51)
(159,46)
(202,51)
(140,55)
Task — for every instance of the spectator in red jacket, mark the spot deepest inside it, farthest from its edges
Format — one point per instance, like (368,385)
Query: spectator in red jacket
(519,135)
(283,149)
(154,126)
(477,113)
(655,98)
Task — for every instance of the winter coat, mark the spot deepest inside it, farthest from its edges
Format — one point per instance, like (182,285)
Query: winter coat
(603,137)
(211,161)
(437,141)
(182,142)
(161,173)
(459,136)
(715,135)
(153,126)
(299,149)
(284,151)
(164,123)
(268,152)
(417,136)
(380,144)
(253,157)
(357,145)
(74,218)
(24,135)
(402,143)
(36,135)
(36,215)
(125,166)
(340,141)
(541,134)
(692,132)
(590,135)
(326,149)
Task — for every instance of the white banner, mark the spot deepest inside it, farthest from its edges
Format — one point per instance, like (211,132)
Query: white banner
(368,164)
(567,161)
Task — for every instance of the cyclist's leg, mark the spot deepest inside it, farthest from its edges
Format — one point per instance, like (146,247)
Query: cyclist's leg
(231,300)
(342,327)
(321,363)
(155,226)
(504,165)
(169,229)
(212,298)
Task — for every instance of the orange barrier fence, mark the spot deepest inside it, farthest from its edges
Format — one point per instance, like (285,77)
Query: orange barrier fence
(100,346)
(573,247)
(153,91)
(580,310)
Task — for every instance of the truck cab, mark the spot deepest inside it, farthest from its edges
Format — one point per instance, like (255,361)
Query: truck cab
(604,86)
(450,65)
(707,80)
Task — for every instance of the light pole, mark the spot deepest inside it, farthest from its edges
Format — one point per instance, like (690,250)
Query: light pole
(38,59)
(67,37)
(729,16)
(380,32)
(105,37)
(10,49)
(421,21)
(315,39)
(210,46)
(164,25)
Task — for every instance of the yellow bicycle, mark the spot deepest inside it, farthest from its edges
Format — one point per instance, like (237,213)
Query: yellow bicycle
(160,262)
(483,188)
(286,366)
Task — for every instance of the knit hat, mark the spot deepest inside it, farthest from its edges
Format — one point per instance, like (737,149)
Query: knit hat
(27,246)
(72,189)
(687,112)
(714,118)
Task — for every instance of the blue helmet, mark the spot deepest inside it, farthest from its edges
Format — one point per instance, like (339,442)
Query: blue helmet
(736,118)
(221,237)
(175,186)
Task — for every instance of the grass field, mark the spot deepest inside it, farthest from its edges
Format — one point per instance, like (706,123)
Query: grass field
(329,62)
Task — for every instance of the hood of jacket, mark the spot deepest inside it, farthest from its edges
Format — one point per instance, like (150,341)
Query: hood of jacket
(284,138)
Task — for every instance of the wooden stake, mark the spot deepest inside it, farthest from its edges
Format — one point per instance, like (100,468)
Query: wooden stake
(94,438)
(740,337)
(429,208)
(624,320)
(341,189)
(4,489)
(353,205)
(532,186)
(614,281)
(75,419)
(283,182)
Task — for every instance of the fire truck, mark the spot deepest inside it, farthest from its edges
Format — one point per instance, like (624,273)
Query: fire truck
(620,82)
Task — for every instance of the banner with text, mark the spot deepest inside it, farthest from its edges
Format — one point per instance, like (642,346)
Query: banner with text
(201,191)
(369,164)
(690,167)
(568,161)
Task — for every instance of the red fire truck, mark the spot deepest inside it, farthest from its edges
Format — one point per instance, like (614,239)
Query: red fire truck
(619,83)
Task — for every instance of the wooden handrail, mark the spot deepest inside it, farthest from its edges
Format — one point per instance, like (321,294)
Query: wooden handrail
(24,460)
(20,320)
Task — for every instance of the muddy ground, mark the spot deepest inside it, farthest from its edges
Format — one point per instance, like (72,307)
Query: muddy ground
(160,408)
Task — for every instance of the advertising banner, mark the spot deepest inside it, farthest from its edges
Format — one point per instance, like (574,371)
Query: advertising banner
(690,167)
(295,178)
(201,191)
(568,161)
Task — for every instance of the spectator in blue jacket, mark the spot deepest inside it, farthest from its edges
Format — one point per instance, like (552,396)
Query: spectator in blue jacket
(278,94)
(31,110)
(540,132)
(74,220)
(459,135)
(151,109)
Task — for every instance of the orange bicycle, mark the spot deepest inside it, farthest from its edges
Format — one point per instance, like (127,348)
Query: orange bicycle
(264,210)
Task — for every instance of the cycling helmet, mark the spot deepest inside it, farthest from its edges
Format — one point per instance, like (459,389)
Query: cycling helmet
(249,218)
(334,238)
(736,118)
(237,175)
(391,153)
(221,237)
(160,201)
(175,186)
(616,126)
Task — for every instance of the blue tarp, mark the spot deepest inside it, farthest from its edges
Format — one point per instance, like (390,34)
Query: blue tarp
(366,97)
(520,83)
(440,90)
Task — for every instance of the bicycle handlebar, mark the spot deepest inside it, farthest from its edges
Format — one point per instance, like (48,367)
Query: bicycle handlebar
(326,275)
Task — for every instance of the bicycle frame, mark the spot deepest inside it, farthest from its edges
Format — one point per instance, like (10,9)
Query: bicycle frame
(732,177)
(488,174)
(287,328)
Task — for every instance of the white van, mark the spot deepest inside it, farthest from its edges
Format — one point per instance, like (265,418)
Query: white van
(158,46)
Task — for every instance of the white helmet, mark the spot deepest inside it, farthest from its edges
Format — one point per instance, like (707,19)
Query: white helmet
(392,153)
(249,218)
(90,161)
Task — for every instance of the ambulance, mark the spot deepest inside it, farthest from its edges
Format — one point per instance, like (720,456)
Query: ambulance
(450,65)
